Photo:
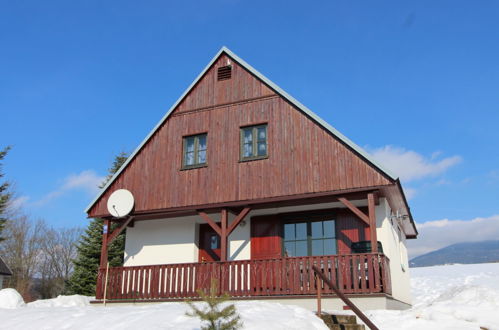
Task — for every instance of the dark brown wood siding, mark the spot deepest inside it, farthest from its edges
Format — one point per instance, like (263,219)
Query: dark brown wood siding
(303,156)
(350,229)
(266,241)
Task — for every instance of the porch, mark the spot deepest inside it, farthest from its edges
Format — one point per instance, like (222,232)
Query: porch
(357,274)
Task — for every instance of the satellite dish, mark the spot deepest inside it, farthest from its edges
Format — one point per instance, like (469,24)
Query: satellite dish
(120,203)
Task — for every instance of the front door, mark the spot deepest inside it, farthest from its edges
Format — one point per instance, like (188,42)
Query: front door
(209,251)
(209,244)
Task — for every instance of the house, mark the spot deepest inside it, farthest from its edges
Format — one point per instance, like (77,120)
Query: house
(241,183)
(4,272)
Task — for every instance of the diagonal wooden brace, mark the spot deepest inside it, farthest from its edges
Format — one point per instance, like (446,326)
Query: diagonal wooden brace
(118,230)
(355,210)
(240,217)
(212,223)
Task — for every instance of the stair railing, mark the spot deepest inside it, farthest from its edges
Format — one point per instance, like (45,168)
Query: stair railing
(340,294)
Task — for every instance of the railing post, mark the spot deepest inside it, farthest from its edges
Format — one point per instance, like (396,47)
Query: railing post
(319,288)
(105,283)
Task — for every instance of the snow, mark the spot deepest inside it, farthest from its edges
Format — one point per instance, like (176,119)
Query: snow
(444,297)
(10,298)
(448,297)
(255,315)
(63,301)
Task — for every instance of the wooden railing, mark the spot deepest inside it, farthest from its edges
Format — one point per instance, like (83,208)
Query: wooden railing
(354,274)
(321,280)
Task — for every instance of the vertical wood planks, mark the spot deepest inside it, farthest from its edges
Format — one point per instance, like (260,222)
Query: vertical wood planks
(303,156)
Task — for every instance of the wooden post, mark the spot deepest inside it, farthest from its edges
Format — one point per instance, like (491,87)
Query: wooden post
(103,251)
(319,288)
(223,236)
(372,222)
(105,283)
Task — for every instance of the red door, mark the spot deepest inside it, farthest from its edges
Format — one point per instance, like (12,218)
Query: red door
(209,250)
(209,244)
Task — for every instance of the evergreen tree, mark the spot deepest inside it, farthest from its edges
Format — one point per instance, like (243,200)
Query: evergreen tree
(86,264)
(5,195)
(216,315)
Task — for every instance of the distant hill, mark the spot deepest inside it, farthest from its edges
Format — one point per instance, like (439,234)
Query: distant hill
(460,253)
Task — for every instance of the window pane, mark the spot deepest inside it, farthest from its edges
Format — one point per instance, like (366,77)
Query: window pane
(317,229)
(189,144)
(289,249)
(202,142)
(189,158)
(289,231)
(262,133)
(301,230)
(214,242)
(329,246)
(248,135)
(329,228)
(262,148)
(247,150)
(301,248)
(317,247)
(202,157)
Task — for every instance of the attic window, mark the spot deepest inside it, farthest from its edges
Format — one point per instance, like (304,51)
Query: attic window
(224,72)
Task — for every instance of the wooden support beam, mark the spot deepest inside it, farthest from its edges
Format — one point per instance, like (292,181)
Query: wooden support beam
(212,223)
(118,230)
(105,235)
(372,222)
(376,198)
(355,210)
(223,236)
(240,217)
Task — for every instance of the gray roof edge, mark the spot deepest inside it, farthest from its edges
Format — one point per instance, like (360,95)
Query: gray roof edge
(280,91)
(5,267)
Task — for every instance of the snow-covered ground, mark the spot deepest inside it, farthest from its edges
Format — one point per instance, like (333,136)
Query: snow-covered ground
(445,297)
(448,297)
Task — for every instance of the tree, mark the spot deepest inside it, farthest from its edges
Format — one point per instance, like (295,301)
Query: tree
(58,249)
(119,160)
(21,251)
(217,315)
(86,264)
(5,195)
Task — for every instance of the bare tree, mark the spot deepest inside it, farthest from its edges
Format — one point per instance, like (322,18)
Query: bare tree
(21,250)
(58,249)
(39,256)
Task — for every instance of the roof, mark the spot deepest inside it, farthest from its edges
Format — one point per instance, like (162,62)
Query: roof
(4,269)
(278,90)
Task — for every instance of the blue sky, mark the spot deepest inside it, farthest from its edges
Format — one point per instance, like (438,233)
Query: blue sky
(416,83)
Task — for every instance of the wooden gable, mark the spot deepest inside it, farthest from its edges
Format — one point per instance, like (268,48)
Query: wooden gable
(303,156)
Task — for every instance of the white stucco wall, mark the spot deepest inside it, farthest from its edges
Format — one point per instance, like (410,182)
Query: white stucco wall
(174,240)
(393,241)
(164,241)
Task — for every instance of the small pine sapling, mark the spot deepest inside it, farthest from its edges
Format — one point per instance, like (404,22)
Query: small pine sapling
(216,315)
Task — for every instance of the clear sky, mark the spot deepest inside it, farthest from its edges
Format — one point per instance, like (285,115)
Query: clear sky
(414,82)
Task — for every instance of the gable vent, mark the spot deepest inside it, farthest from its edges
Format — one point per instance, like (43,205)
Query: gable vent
(224,72)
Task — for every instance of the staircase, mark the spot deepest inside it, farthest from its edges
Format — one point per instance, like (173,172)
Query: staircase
(341,322)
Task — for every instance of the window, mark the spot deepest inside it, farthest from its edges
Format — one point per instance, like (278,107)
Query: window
(254,142)
(309,238)
(194,151)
